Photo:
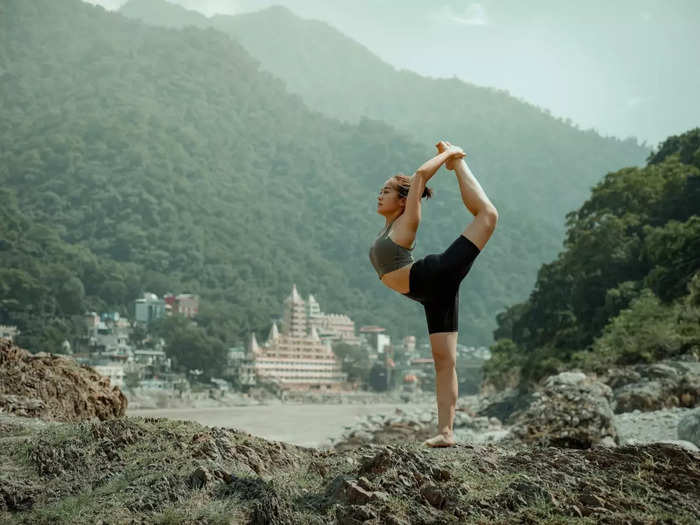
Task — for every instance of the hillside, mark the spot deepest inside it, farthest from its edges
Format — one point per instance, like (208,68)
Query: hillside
(626,287)
(131,143)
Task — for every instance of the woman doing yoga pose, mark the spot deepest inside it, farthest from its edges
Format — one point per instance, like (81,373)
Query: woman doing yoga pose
(433,280)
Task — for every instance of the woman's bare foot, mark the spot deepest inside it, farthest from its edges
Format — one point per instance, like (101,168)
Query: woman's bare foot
(443,145)
(441,440)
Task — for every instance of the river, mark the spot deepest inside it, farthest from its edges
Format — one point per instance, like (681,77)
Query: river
(308,425)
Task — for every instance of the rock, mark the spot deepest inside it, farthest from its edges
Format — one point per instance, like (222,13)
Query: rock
(392,519)
(199,478)
(354,515)
(356,495)
(378,463)
(364,483)
(571,411)
(661,371)
(433,495)
(380,497)
(607,441)
(54,387)
(653,387)
(689,427)
(681,443)
(619,377)
(566,379)
(646,396)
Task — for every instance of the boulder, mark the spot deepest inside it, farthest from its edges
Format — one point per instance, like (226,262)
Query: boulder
(649,387)
(54,387)
(570,410)
(645,396)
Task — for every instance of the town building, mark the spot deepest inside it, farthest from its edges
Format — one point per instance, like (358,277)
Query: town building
(376,339)
(149,308)
(184,304)
(8,332)
(115,372)
(295,358)
(330,327)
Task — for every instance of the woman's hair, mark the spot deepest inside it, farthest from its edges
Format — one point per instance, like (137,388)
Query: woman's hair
(403,183)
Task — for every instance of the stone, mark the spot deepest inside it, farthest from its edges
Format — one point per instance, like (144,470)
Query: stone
(661,371)
(689,427)
(565,378)
(364,483)
(683,444)
(646,396)
(381,497)
(571,410)
(607,441)
(393,519)
(356,495)
(433,495)
(199,478)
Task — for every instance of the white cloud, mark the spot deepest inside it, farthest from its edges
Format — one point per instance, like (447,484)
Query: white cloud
(473,15)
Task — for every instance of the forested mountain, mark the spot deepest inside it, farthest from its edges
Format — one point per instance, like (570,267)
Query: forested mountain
(626,287)
(534,167)
(173,163)
(181,167)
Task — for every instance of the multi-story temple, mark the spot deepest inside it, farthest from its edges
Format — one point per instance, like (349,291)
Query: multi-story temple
(296,357)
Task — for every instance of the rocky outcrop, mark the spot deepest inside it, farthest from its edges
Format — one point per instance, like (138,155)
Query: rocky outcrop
(656,386)
(54,387)
(571,410)
(689,427)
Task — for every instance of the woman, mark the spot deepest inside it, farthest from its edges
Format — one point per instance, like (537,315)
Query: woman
(433,280)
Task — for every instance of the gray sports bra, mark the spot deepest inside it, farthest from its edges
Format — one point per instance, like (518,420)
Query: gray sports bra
(387,256)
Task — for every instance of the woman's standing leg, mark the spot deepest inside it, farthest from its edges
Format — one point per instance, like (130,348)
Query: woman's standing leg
(444,348)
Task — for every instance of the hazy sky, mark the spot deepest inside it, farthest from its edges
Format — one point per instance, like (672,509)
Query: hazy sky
(625,68)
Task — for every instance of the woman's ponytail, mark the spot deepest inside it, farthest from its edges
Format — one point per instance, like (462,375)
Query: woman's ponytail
(404,184)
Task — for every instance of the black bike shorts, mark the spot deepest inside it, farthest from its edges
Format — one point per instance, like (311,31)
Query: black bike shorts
(434,282)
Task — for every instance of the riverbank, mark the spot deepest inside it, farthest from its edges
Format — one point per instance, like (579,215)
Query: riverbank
(309,425)
(149,399)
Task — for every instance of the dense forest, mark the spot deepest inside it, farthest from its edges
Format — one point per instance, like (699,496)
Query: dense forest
(146,159)
(626,287)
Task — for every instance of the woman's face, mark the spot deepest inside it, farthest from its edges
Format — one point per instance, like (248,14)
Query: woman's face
(389,200)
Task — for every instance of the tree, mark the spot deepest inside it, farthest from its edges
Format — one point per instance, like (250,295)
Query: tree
(355,361)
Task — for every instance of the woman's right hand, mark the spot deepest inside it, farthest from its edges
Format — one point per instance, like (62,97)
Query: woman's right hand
(457,153)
